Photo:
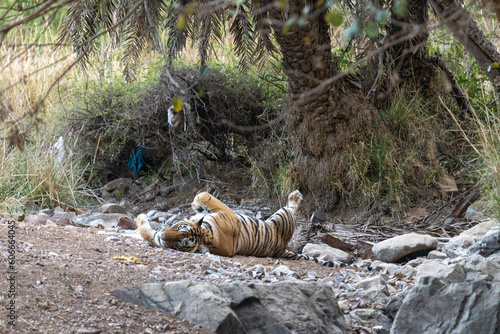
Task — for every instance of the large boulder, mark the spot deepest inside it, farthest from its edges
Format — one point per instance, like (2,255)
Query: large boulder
(434,307)
(284,307)
(458,246)
(394,249)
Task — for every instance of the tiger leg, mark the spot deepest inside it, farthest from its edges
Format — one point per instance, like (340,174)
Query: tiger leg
(206,202)
(295,256)
(147,233)
(294,201)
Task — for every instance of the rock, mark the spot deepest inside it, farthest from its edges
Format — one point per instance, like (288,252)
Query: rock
(36,219)
(284,271)
(453,273)
(108,219)
(98,223)
(50,223)
(86,330)
(184,183)
(48,212)
(477,265)
(167,190)
(406,270)
(371,318)
(372,289)
(120,184)
(318,216)
(127,223)
(458,245)
(478,231)
(325,253)
(71,216)
(434,307)
(283,307)
(394,249)
(370,282)
(113,208)
(489,244)
(436,255)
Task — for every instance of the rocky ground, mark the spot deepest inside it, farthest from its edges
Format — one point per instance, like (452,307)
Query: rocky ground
(91,273)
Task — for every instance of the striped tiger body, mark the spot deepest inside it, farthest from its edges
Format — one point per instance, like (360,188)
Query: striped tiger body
(220,231)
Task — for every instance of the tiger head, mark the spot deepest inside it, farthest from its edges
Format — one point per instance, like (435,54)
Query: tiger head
(186,236)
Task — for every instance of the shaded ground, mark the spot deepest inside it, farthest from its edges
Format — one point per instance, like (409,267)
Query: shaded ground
(65,275)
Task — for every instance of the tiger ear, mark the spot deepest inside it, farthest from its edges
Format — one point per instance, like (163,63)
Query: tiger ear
(200,221)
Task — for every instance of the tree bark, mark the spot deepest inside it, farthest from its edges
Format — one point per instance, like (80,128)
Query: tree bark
(407,59)
(327,124)
(465,30)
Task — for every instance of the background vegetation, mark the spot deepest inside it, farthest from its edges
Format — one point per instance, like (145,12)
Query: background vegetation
(103,118)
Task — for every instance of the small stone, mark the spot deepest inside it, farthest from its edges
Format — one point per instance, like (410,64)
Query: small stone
(127,223)
(113,208)
(120,182)
(436,255)
(167,190)
(283,271)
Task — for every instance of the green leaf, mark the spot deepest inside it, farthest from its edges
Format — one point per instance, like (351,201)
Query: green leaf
(381,15)
(200,92)
(371,29)
(334,18)
(177,103)
(400,7)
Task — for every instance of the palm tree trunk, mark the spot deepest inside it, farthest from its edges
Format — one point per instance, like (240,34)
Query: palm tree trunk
(327,124)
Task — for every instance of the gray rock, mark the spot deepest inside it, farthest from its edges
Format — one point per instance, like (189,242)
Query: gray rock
(284,307)
(167,190)
(120,184)
(453,273)
(406,270)
(436,255)
(394,249)
(108,219)
(325,253)
(434,307)
(367,283)
(371,318)
(283,271)
(48,212)
(459,245)
(478,231)
(489,244)
(113,208)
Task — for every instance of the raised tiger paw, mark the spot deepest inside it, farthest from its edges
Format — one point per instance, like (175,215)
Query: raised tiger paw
(294,200)
(142,221)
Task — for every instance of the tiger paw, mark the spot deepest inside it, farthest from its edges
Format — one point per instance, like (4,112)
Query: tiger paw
(294,200)
(142,221)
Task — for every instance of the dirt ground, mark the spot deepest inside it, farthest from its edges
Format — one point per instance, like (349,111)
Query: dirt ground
(64,277)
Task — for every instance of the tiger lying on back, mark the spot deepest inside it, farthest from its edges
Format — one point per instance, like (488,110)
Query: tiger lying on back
(220,231)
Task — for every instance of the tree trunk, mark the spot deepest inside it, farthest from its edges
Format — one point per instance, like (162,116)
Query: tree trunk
(327,124)
(407,61)
(465,30)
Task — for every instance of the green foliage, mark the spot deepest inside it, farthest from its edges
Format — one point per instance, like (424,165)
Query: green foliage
(488,149)
(396,162)
(34,179)
(107,119)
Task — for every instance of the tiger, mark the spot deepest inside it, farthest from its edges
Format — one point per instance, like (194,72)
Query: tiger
(220,231)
